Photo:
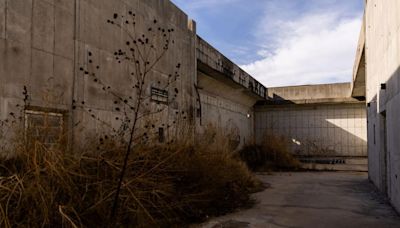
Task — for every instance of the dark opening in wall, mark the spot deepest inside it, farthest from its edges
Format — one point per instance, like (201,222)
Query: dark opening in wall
(45,127)
(374,135)
(161,136)
(198,113)
(159,95)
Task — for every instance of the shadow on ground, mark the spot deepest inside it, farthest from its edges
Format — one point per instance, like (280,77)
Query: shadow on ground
(314,199)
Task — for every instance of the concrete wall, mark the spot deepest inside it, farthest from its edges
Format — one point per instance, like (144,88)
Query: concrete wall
(227,108)
(382,45)
(312,93)
(316,130)
(213,63)
(226,96)
(317,120)
(43,44)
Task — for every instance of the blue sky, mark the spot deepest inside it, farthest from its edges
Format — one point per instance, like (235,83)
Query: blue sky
(282,42)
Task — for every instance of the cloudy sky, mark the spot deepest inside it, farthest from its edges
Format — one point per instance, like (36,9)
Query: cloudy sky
(282,42)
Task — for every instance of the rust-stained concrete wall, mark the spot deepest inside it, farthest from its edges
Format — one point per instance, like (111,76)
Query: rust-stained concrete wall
(382,63)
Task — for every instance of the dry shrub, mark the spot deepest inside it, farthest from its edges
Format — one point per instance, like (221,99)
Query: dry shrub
(272,154)
(165,185)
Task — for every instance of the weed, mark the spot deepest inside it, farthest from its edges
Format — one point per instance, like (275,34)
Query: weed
(165,185)
(272,154)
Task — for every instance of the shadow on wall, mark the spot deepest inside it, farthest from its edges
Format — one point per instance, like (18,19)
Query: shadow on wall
(319,130)
(384,143)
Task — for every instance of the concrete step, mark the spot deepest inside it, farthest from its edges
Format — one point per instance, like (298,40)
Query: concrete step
(337,167)
(335,163)
(357,161)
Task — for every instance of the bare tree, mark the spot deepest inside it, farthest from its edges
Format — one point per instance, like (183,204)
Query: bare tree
(142,51)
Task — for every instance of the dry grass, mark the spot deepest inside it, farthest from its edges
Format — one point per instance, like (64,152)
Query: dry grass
(166,185)
(272,154)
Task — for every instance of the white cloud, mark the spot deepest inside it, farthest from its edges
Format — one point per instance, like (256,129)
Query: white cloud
(316,48)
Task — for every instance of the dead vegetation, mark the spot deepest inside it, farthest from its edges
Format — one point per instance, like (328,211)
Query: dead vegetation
(122,180)
(271,155)
(165,185)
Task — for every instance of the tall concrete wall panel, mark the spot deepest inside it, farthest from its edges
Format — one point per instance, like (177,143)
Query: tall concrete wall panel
(375,158)
(43,44)
(227,108)
(92,22)
(382,20)
(393,145)
(232,119)
(316,129)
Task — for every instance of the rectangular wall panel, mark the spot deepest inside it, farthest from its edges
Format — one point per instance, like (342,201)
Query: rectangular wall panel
(316,130)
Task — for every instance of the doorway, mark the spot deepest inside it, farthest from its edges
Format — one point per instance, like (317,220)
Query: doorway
(384,154)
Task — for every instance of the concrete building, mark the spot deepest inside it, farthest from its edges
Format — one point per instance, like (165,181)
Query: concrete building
(377,78)
(43,45)
(49,50)
(322,123)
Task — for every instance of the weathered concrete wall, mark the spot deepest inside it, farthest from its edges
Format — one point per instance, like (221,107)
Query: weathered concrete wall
(318,120)
(53,48)
(92,16)
(382,50)
(312,93)
(226,96)
(227,108)
(316,130)
(215,64)
(43,44)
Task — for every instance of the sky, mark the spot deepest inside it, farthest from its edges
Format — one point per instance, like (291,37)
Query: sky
(283,42)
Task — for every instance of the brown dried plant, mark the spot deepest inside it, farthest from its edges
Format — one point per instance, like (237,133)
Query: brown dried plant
(118,178)
(165,185)
(142,51)
(272,154)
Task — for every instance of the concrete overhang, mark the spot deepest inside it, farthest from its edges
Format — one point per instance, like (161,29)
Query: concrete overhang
(207,70)
(338,93)
(212,63)
(358,86)
(347,100)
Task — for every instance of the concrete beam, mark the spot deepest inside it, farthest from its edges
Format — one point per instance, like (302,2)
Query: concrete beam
(358,82)
(213,63)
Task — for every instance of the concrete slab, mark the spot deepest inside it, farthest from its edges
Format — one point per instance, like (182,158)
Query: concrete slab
(42,76)
(2,18)
(19,20)
(336,167)
(340,199)
(64,33)
(14,76)
(43,26)
(65,4)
